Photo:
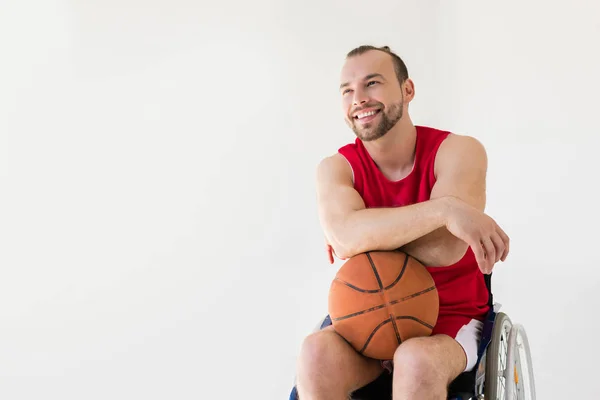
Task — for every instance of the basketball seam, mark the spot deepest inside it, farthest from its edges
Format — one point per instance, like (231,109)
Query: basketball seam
(390,320)
(351,286)
(375,271)
(380,306)
(368,310)
(400,274)
(410,296)
(373,334)
(396,329)
(416,320)
(384,292)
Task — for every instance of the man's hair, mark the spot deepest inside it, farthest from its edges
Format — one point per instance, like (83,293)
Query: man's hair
(399,66)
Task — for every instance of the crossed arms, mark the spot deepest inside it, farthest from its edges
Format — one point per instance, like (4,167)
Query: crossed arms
(437,232)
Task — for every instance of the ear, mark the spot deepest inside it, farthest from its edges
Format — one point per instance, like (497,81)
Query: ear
(408,89)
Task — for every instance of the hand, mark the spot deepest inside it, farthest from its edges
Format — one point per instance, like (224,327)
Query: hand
(489,242)
(330,252)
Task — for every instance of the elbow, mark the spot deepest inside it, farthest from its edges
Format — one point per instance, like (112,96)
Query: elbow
(346,245)
(344,249)
(440,255)
(454,253)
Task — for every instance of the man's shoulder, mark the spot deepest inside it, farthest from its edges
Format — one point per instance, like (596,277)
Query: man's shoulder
(334,164)
(460,149)
(456,144)
(342,159)
(330,161)
(456,138)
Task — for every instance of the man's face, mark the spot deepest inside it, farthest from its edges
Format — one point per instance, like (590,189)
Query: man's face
(372,98)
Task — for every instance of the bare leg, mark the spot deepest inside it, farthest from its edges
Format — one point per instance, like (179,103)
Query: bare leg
(424,367)
(330,369)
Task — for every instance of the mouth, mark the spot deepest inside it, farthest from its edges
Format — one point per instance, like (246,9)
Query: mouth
(366,116)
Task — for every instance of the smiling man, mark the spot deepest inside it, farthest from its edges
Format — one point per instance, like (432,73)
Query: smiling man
(417,189)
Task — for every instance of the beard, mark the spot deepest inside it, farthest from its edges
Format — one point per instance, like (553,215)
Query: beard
(387,118)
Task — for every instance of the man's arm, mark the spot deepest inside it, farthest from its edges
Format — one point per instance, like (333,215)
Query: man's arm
(350,228)
(461,168)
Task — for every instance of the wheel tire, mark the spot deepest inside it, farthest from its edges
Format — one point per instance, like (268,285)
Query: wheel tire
(528,390)
(492,367)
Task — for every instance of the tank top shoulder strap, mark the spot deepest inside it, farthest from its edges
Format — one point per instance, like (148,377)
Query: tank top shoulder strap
(354,155)
(428,144)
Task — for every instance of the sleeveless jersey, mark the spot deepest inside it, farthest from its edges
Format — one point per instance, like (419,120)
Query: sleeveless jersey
(462,290)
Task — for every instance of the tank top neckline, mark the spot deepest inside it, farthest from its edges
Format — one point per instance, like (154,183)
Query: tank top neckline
(382,175)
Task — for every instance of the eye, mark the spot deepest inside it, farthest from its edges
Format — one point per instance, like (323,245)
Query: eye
(370,82)
(346,91)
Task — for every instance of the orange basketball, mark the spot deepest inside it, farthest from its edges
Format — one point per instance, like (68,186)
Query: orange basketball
(379,299)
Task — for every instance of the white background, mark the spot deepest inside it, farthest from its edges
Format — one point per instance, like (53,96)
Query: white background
(159,234)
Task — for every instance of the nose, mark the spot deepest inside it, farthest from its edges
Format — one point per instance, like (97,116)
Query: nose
(360,97)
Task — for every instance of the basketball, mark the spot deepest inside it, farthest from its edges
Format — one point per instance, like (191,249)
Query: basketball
(379,299)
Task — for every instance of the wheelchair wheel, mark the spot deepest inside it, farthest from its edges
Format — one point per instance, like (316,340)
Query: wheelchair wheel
(521,372)
(509,370)
(497,359)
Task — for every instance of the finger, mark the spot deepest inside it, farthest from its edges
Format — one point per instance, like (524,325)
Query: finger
(506,241)
(329,253)
(499,245)
(490,253)
(479,254)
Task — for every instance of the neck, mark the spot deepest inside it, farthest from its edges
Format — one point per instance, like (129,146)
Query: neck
(394,153)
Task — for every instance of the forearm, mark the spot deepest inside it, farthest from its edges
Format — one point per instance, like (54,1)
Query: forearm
(386,228)
(437,249)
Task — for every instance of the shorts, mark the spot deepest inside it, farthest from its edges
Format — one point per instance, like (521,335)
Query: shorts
(468,336)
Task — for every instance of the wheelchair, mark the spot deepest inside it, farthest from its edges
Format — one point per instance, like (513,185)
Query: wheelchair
(504,369)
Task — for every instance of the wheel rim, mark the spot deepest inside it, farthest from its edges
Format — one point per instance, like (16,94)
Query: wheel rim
(503,360)
(524,382)
(496,370)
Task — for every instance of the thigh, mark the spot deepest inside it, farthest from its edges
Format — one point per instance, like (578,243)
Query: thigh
(438,357)
(450,354)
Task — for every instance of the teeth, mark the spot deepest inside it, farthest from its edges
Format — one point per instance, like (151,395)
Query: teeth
(366,114)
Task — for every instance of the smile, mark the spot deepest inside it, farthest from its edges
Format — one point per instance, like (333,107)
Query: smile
(366,116)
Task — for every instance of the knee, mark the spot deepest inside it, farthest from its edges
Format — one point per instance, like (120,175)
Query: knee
(317,350)
(415,362)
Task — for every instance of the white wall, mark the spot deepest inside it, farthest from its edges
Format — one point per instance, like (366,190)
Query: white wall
(159,229)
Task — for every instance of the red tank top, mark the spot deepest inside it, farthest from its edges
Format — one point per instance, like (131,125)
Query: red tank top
(462,290)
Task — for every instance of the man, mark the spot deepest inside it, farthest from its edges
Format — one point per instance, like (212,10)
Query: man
(412,188)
